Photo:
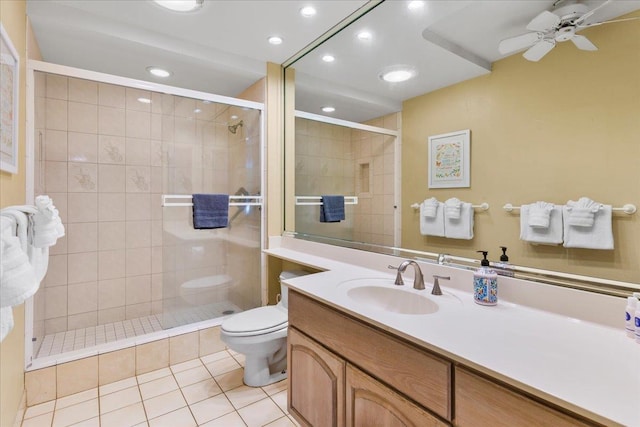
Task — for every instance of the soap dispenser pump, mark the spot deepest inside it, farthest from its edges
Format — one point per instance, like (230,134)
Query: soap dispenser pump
(485,283)
(504,269)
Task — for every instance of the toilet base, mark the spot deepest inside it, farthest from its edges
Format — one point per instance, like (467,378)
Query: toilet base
(261,371)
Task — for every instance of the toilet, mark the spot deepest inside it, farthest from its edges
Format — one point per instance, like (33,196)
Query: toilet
(261,335)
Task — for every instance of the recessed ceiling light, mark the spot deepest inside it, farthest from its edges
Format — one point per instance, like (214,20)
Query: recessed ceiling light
(308,11)
(197,110)
(399,73)
(234,117)
(328,58)
(328,109)
(159,72)
(364,35)
(275,40)
(180,5)
(144,100)
(415,5)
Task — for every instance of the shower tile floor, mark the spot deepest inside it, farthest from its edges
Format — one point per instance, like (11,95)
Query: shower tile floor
(77,339)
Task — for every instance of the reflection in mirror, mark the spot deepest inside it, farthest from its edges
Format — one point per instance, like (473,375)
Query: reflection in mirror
(348,161)
(553,130)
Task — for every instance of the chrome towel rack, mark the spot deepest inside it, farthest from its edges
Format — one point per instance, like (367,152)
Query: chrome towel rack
(629,208)
(481,207)
(233,200)
(317,200)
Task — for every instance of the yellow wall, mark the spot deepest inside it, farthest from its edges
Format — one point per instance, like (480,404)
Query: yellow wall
(12,192)
(555,130)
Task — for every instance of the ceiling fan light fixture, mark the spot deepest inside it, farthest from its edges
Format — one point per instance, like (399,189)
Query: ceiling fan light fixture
(159,72)
(180,5)
(398,73)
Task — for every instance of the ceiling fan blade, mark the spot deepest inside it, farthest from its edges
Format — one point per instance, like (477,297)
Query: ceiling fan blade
(583,43)
(544,22)
(516,43)
(589,14)
(540,49)
(593,24)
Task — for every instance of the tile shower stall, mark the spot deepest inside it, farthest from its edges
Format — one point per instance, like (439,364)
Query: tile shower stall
(106,154)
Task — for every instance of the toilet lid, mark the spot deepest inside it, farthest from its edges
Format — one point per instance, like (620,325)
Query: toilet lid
(259,320)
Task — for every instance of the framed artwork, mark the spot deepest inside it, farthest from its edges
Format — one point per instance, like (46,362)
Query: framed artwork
(450,160)
(9,73)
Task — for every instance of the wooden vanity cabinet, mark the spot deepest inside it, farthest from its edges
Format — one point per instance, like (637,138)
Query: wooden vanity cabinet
(371,403)
(316,382)
(344,372)
(401,367)
(481,402)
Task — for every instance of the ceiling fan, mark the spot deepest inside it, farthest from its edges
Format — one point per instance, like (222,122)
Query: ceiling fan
(557,26)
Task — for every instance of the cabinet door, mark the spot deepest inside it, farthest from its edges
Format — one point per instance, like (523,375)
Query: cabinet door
(480,402)
(316,383)
(371,404)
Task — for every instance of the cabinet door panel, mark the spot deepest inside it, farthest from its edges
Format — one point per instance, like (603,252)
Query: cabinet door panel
(316,383)
(371,404)
(480,402)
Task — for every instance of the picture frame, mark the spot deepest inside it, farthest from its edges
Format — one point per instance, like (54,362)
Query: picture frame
(9,98)
(449,160)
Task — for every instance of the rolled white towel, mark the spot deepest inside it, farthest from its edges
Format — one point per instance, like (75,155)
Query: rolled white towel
(430,207)
(540,214)
(17,278)
(47,225)
(582,213)
(452,208)
(6,322)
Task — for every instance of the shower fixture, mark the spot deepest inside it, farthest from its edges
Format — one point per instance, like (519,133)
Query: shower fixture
(234,128)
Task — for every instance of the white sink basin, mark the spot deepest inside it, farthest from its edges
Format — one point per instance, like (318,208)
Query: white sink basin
(391,299)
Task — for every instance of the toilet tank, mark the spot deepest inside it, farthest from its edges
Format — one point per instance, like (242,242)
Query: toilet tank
(284,290)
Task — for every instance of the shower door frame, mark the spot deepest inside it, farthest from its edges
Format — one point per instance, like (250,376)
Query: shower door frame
(63,70)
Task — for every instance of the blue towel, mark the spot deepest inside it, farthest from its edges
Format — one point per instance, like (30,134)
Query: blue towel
(210,211)
(332,209)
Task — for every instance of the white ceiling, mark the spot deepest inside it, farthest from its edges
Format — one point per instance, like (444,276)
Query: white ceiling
(223,48)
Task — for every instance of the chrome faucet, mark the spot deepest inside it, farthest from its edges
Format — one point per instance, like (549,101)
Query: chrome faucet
(436,285)
(418,281)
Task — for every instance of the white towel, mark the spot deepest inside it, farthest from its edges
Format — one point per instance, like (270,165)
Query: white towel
(551,235)
(432,226)
(453,208)
(429,207)
(6,322)
(47,225)
(539,214)
(17,278)
(462,227)
(598,236)
(582,213)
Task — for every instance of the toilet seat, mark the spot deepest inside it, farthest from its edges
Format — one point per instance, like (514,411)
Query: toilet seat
(257,321)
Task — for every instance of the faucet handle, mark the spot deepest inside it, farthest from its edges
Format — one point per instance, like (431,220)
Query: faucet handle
(436,285)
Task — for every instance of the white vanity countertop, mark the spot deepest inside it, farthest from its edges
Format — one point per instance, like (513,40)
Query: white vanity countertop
(588,368)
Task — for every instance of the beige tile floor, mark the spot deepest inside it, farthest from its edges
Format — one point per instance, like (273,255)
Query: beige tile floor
(204,392)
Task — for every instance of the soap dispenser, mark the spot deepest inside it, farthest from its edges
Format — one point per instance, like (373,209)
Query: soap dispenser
(485,283)
(504,268)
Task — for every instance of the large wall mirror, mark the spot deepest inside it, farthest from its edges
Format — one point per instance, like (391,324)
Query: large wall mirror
(553,117)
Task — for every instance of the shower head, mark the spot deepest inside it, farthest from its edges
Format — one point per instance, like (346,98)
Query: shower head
(234,128)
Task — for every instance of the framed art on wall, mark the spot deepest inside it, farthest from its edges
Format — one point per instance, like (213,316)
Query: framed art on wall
(9,73)
(450,160)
